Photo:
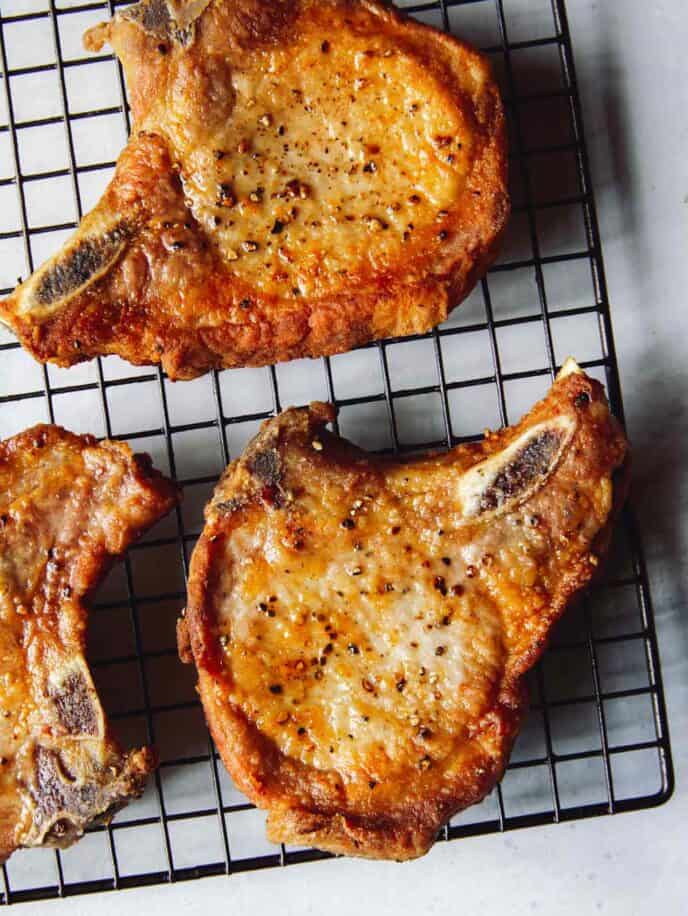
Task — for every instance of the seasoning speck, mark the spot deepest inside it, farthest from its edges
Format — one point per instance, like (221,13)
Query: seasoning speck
(225,196)
(275,688)
(440,584)
(317,445)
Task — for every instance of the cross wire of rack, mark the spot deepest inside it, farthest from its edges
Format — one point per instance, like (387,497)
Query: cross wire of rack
(596,740)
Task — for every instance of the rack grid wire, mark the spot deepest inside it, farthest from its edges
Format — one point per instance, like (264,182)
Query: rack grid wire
(596,741)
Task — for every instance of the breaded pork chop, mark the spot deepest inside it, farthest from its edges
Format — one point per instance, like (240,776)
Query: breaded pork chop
(362,625)
(302,176)
(68,507)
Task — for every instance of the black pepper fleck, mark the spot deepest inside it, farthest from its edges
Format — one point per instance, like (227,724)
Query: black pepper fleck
(440,585)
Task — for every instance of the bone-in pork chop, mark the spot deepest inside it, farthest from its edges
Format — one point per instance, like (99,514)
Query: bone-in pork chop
(362,625)
(68,507)
(302,176)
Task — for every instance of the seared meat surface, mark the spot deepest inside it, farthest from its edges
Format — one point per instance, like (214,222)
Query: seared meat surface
(362,625)
(68,507)
(302,177)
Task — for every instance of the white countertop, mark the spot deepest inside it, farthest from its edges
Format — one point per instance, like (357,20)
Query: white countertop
(630,59)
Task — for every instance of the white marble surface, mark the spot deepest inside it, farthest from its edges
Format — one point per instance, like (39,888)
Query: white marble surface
(630,58)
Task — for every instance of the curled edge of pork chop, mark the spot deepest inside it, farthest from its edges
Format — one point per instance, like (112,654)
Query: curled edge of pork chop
(562,469)
(69,507)
(158,279)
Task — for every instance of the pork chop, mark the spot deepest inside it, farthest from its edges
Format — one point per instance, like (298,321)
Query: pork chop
(302,176)
(68,507)
(361,625)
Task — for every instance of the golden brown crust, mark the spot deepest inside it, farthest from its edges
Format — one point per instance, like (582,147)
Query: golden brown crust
(361,625)
(251,221)
(68,508)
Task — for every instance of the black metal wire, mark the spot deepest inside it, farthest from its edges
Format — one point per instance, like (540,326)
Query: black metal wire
(546,702)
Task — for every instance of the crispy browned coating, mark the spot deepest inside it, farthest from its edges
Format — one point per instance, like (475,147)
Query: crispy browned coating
(303,176)
(362,625)
(68,507)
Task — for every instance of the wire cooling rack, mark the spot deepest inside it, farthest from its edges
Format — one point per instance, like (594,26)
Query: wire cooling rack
(596,740)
